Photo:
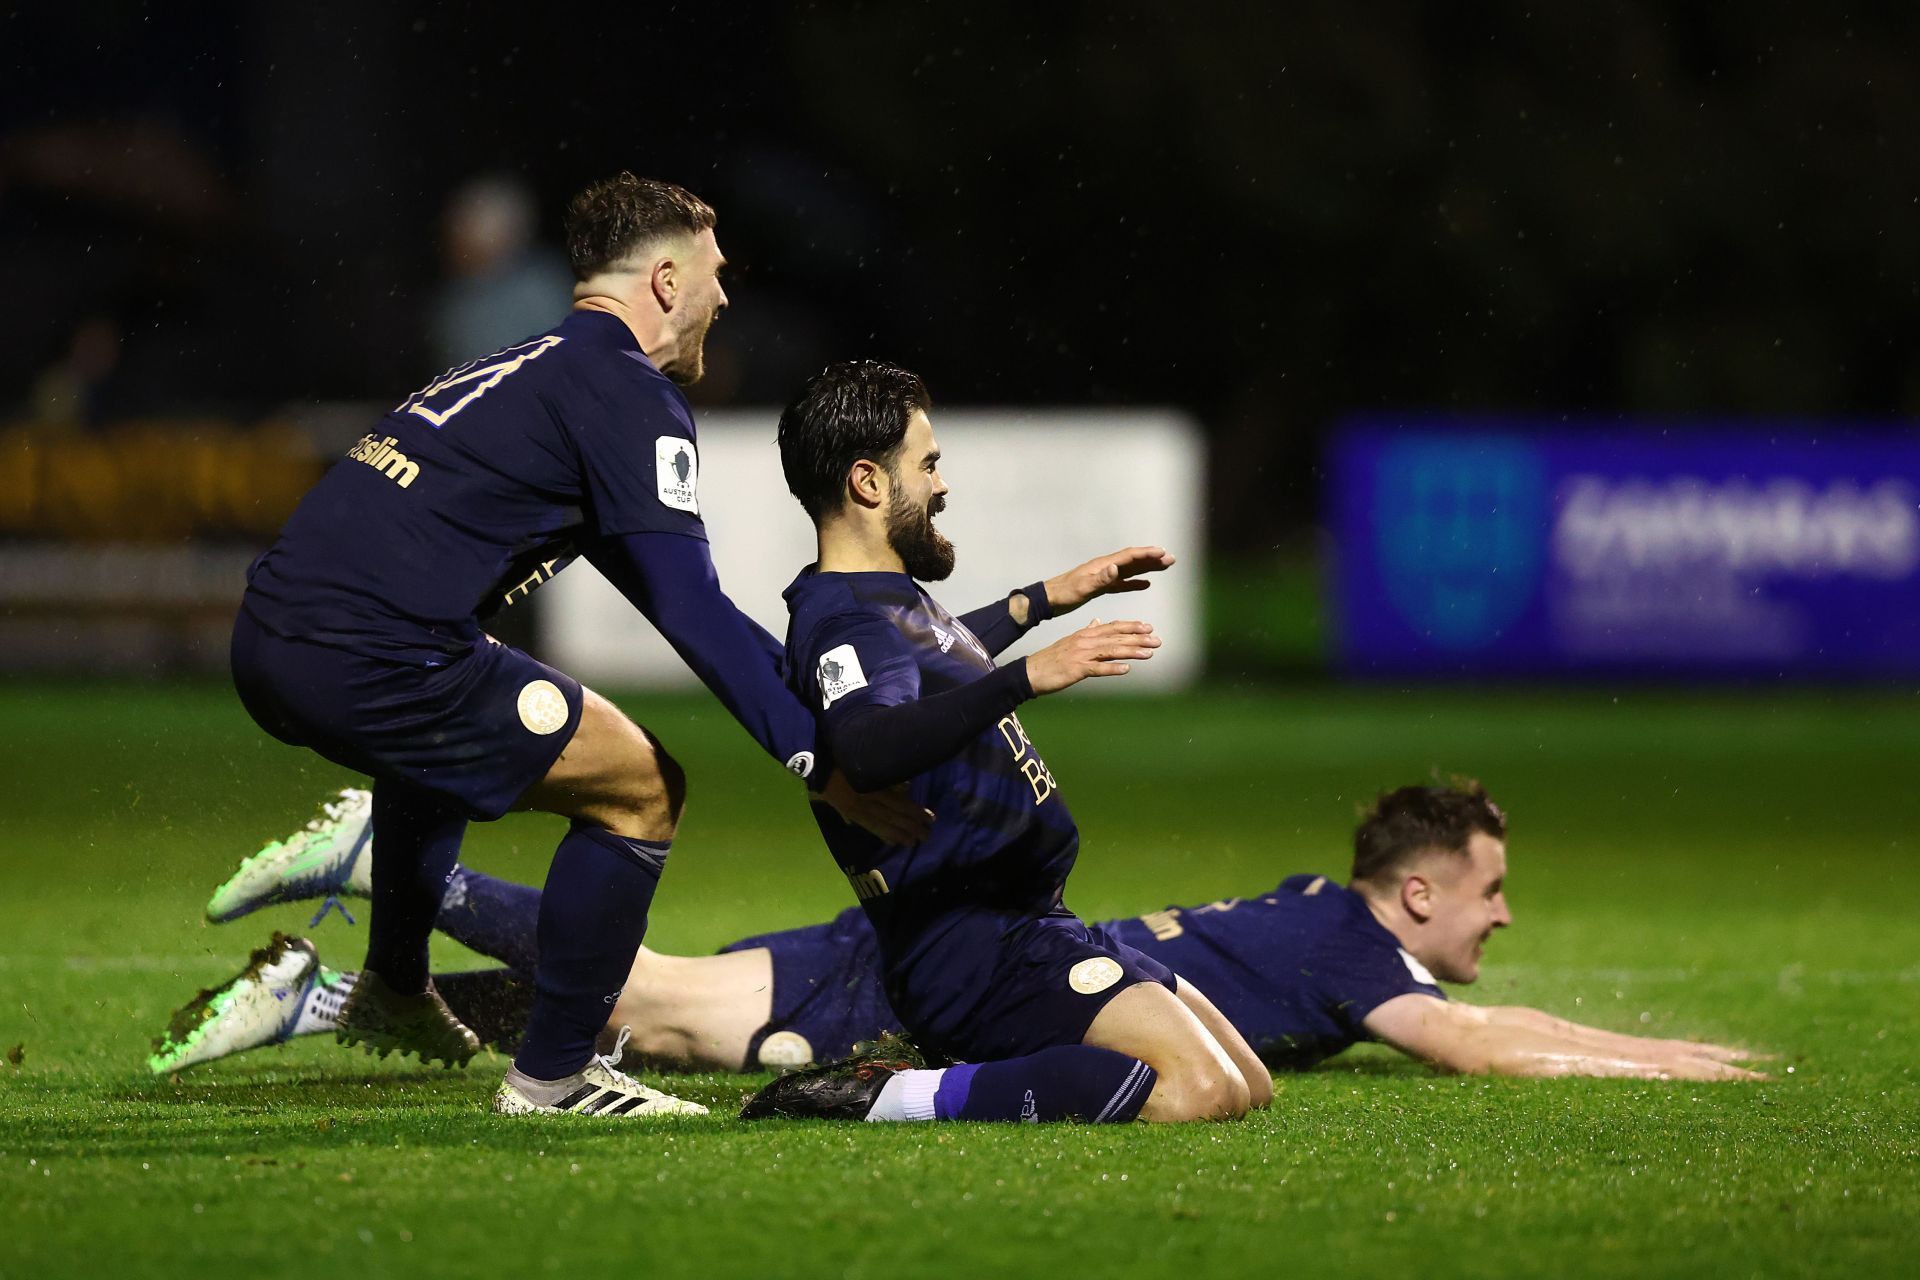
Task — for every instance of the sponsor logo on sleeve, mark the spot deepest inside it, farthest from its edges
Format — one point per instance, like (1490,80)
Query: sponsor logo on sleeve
(840,674)
(1418,970)
(676,473)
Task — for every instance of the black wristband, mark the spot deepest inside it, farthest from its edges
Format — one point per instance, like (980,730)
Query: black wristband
(1038,610)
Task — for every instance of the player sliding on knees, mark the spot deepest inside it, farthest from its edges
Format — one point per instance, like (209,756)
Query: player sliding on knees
(1302,971)
(360,637)
(980,958)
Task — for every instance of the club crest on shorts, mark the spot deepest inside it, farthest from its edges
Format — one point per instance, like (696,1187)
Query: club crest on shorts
(676,473)
(785,1049)
(543,708)
(840,674)
(1093,975)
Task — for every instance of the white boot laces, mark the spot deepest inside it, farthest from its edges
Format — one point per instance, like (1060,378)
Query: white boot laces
(611,1061)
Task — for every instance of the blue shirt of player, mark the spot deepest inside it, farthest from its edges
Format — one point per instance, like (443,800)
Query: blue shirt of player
(485,483)
(477,488)
(1002,840)
(1296,970)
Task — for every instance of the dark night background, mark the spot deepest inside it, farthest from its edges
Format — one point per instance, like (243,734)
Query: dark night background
(1273,216)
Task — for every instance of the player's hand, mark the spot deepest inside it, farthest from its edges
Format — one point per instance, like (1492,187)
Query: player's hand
(890,814)
(1097,649)
(1718,1052)
(1697,1067)
(1106,575)
(1703,1049)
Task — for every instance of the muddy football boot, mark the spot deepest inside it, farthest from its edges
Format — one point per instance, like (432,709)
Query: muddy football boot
(383,1021)
(333,854)
(258,1006)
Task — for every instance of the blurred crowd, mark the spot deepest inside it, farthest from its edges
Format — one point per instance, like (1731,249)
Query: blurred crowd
(1275,218)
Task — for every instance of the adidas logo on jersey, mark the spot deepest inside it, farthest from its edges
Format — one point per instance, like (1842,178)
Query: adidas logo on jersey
(945,639)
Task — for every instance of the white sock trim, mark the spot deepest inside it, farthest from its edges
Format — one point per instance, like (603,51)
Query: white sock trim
(916,1093)
(907,1096)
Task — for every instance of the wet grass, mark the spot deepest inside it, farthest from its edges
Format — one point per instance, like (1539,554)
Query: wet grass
(1726,864)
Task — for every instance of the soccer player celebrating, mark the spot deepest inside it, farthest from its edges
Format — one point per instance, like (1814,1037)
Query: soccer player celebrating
(360,637)
(1302,971)
(980,959)
(1311,968)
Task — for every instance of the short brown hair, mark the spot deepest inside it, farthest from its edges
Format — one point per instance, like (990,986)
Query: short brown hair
(612,219)
(1406,823)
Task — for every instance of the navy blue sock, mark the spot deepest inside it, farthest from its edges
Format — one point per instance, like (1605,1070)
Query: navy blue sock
(593,915)
(495,917)
(419,841)
(1066,1082)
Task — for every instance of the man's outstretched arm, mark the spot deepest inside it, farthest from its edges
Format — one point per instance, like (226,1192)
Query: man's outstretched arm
(884,744)
(1451,1036)
(1612,1041)
(670,578)
(999,624)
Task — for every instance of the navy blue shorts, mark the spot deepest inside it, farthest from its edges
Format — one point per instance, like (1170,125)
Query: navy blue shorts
(475,733)
(826,993)
(1047,979)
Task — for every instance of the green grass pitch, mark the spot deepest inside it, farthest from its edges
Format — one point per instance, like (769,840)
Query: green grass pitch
(1732,865)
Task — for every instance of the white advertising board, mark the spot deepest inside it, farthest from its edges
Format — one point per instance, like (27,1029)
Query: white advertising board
(1034,493)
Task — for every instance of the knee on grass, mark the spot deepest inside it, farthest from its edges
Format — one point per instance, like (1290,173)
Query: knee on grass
(1198,1093)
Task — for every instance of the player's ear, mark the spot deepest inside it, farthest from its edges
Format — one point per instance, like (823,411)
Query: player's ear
(866,483)
(665,279)
(1416,897)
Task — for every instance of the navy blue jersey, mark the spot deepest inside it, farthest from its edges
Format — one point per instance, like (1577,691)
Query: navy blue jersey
(479,487)
(1002,841)
(1296,970)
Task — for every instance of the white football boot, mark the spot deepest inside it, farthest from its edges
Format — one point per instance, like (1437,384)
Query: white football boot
(260,1005)
(333,854)
(598,1089)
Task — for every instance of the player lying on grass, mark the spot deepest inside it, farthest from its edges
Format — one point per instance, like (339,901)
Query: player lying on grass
(1303,971)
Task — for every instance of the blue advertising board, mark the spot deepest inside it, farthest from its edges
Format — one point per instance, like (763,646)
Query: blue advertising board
(1545,550)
